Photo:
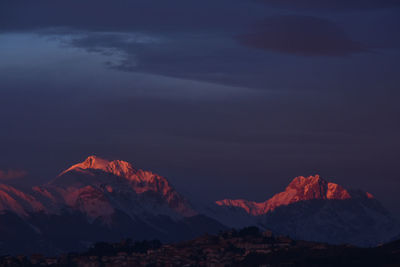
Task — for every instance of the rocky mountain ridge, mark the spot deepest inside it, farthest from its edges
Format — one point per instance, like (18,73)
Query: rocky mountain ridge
(311,208)
(300,189)
(100,200)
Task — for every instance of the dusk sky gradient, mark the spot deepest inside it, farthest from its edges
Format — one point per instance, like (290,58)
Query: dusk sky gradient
(227,99)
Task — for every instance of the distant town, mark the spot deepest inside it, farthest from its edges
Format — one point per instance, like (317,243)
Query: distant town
(246,247)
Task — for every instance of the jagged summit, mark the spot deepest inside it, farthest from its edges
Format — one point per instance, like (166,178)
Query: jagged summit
(96,173)
(116,167)
(98,199)
(314,187)
(311,208)
(300,189)
(141,178)
(99,189)
(111,198)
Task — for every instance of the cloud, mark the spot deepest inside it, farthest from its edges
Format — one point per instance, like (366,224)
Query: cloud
(300,35)
(198,57)
(12,174)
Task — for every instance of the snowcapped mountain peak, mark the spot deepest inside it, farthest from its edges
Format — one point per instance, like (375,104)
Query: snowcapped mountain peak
(115,181)
(311,208)
(99,189)
(314,187)
(95,162)
(142,180)
(300,189)
(116,167)
(301,181)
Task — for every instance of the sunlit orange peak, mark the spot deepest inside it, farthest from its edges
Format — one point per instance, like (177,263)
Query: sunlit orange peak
(117,167)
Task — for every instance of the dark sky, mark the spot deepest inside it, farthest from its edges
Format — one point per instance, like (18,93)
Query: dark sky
(227,98)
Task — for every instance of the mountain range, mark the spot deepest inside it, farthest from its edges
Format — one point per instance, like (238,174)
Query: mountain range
(310,208)
(96,200)
(102,200)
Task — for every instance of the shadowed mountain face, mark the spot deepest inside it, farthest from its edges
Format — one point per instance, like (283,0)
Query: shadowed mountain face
(300,189)
(97,200)
(102,200)
(99,186)
(314,209)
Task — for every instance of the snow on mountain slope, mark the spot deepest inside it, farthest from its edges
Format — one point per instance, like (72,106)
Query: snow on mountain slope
(300,189)
(105,185)
(12,199)
(313,209)
(97,200)
(98,187)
